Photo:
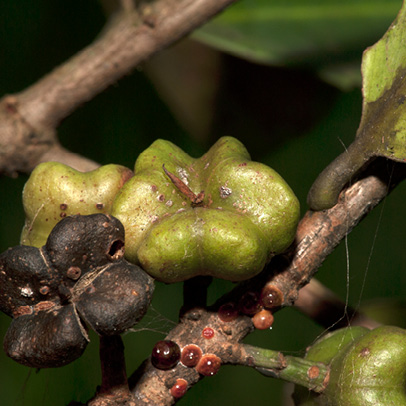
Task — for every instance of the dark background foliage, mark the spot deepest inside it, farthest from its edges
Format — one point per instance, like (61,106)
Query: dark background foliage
(287,117)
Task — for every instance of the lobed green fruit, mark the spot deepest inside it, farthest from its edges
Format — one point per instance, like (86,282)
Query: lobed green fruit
(55,191)
(368,368)
(246,214)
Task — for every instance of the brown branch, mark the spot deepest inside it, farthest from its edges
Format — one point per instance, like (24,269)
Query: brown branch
(28,119)
(327,309)
(318,234)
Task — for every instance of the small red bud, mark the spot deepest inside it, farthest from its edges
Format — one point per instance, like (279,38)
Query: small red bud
(191,355)
(208,333)
(209,365)
(249,303)
(271,297)
(179,389)
(263,320)
(228,312)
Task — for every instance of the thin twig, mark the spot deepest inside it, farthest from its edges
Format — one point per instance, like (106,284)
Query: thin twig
(310,374)
(326,308)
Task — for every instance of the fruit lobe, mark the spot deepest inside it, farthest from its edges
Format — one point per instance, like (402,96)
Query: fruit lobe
(55,191)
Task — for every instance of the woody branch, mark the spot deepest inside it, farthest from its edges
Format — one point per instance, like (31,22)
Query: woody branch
(28,119)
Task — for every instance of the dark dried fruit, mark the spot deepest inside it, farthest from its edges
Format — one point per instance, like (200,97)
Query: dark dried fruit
(117,289)
(165,354)
(22,270)
(86,242)
(83,277)
(46,339)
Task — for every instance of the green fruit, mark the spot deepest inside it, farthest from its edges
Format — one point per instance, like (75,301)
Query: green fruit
(221,215)
(368,368)
(55,191)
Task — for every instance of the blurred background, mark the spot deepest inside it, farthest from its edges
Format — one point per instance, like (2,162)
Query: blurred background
(281,76)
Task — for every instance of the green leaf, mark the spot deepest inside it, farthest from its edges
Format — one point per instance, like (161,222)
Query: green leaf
(320,33)
(382,131)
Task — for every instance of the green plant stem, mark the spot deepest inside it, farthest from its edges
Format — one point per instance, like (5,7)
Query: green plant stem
(310,374)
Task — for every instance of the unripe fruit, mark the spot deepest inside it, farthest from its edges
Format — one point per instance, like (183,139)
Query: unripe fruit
(221,215)
(368,368)
(55,191)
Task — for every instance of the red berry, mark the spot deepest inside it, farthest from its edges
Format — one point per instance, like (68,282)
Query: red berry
(263,320)
(271,297)
(208,333)
(179,389)
(165,354)
(228,312)
(208,365)
(191,355)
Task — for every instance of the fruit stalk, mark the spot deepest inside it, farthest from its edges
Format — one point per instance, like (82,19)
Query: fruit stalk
(310,374)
